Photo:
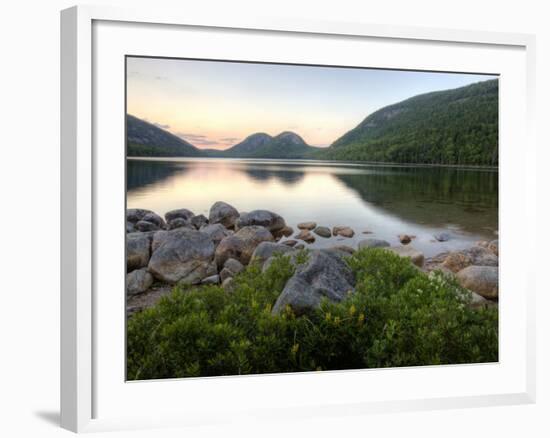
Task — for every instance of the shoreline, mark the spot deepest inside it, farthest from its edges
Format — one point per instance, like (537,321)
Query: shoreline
(317,161)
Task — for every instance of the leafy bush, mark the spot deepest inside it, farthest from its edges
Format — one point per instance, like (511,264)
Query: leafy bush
(398,316)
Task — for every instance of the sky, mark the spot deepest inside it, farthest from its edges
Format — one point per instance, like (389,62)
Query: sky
(215,105)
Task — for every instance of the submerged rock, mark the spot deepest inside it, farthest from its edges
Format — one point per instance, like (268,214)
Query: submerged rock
(242,244)
(185,256)
(290,242)
(442,237)
(322,231)
(404,238)
(138,281)
(265,218)
(306,236)
(223,213)
(343,231)
(482,280)
(307,225)
(372,243)
(323,275)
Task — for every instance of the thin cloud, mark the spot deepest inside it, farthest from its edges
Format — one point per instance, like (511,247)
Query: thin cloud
(197,139)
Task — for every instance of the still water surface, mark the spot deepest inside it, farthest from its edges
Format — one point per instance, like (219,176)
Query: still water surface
(384,200)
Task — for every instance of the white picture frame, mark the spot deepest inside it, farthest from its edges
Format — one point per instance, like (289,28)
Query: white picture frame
(85,319)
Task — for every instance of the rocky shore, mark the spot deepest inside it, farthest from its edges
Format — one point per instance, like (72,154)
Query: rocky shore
(184,248)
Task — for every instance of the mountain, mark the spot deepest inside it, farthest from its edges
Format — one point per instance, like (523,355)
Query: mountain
(285,145)
(147,140)
(250,145)
(458,126)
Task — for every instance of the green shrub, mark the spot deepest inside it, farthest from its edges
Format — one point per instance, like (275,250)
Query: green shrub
(398,316)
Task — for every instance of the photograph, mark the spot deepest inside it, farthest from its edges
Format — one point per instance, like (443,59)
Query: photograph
(288,218)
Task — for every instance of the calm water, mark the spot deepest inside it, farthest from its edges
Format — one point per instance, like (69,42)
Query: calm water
(386,200)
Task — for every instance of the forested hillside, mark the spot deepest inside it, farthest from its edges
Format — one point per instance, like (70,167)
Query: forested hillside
(458,126)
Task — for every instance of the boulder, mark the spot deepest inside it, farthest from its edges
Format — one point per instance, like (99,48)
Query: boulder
(225,274)
(185,256)
(323,275)
(181,213)
(134,215)
(476,255)
(482,280)
(477,301)
(372,243)
(199,221)
(307,225)
(264,218)
(322,231)
(290,242)
(404,239)
(442,237)
(343,248)
(267,249)
(409,252)
(343,231)
(242,244)
(155,219)
(146,226)
(306,236)
(179,222)
(217,232)
(138,281)
(213,279)
(138,250)
(292,256)
(234,266)
(223,213)
(283,232)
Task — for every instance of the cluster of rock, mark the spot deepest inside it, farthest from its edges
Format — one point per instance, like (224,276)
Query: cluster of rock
(194,249)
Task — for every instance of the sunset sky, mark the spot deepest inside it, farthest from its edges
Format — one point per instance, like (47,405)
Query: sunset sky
(217,104)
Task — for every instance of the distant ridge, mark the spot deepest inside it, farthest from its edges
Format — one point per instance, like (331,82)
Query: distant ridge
(147,140)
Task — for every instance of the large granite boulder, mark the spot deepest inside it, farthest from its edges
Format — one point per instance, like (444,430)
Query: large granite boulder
(146,226)
(482,280)
(223,213)
(242,244)
(267,249)
(185,256)
(138,250)
(324,275)
(138,281)
(264,218)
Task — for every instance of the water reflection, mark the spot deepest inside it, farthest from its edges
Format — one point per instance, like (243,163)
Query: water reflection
(383,200)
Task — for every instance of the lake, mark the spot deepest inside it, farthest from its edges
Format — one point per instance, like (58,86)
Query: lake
(380,199)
